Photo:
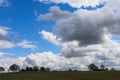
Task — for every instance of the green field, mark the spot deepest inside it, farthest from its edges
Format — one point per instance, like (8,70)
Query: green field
(61,76)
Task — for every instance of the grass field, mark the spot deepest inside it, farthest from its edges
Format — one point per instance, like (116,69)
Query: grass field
(61,76)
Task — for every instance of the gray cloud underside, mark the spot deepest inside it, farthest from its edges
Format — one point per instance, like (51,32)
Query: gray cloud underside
(87,27)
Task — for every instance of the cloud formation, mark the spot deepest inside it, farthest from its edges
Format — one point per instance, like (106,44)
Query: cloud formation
(87,27)
(87,35)
(7,42)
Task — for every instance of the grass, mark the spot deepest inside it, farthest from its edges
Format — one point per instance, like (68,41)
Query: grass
(61,76)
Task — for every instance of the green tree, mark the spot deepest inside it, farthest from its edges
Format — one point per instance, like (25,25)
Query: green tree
(14,68)
(42,69)
(92,67)
(47,69)
(2,69)
(112,69)
(35,68)
(102,67)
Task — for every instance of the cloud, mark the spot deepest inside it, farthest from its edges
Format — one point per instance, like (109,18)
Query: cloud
(3,54)
(4,3)
(7,42)
(76,3)
(86,36)
(46,59)
(3,30)
(87,27)
(50,37)
(109,4)
(55,14)
(26,44)
(100,51)
(72,49)
(106,54)
(72,56)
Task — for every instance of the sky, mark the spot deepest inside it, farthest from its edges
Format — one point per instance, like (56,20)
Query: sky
(60,34)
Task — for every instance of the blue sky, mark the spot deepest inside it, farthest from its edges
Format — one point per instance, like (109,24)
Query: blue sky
(20,17)
(60,30)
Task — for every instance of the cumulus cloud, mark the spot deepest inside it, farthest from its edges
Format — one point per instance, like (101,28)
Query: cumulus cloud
(87,27)
(46,59)
(87,35)
(59,62)
(86,38)
(7,42)
(4,3)
(108,50)
(50,37)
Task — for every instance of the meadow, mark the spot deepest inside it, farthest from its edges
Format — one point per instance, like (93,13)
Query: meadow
(93,75)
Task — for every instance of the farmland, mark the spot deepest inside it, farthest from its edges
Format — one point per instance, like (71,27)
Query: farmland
(93,75)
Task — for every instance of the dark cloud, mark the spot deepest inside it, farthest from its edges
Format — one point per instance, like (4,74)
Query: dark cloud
(79,29)
(6,38)
(88,28)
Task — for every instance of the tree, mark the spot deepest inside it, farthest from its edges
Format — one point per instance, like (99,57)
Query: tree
(112,69)
(47,69)
(102,67)
(106,69)
(92,67)
(42,69)
(29,68)
(22,70)
(2,69)
(35,68)
(70,70)
(14,68)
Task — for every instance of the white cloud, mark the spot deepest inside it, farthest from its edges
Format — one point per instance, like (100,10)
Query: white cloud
(46,59)
(106,54)
(26,44)
(110,4)
(50,37)
(76,3)
(7,42)
(4,30)
(4,54)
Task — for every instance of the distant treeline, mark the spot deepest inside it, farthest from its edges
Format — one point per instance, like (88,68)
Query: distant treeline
(93,67)
(16,68)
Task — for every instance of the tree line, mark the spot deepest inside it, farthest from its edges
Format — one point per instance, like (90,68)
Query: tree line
(16,68)
(93,67)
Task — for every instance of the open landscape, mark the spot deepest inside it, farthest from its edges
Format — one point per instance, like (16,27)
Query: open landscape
(59,39)
(110,75)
